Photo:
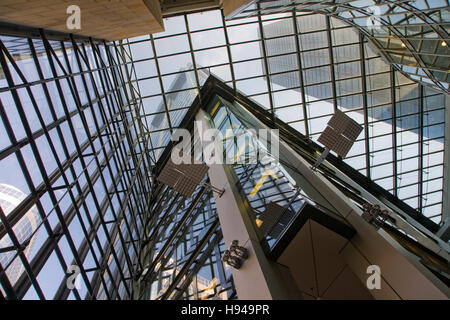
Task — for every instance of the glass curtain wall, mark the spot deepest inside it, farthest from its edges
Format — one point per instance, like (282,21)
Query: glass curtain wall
(301,67)
(73,169)
(279,196)
(182,256)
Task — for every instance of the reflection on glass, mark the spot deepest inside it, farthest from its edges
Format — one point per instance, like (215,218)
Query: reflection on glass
(24,230)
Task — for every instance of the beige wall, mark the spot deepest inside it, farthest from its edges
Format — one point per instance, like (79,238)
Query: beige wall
(104,19)
(318,267)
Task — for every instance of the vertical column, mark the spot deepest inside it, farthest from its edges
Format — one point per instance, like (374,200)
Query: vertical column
(258,278)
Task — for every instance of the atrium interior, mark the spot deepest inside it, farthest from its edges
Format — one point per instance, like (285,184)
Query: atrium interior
(92,205)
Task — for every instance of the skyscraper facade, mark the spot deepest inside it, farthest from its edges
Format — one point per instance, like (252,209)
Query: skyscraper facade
(173,107)
(10,197)
(412,36)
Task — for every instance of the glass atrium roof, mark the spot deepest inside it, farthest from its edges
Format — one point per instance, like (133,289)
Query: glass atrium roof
(412,35)
(77,143)
(315,65)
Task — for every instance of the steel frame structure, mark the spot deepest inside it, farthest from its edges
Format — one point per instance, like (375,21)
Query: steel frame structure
(375,87)
(246,177)
(181,257)
(101,168)
(85,103)
(299,142)
(399,29)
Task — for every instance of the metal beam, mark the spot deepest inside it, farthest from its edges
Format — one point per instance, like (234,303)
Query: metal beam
(444,231)
(364,76)
(300,71)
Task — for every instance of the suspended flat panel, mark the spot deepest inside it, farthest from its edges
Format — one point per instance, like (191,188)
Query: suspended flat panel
(328,138)
(338,121)
(183,178)
(352,131)
(270,220)
(340,134)
(345,125)
(342,146)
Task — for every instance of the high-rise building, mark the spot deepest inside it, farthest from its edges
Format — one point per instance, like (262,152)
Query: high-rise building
(86,121)
(412,36)
(177,99)
(320,90)
(24,230)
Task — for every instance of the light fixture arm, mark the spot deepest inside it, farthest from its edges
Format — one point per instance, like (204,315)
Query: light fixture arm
(321,159)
